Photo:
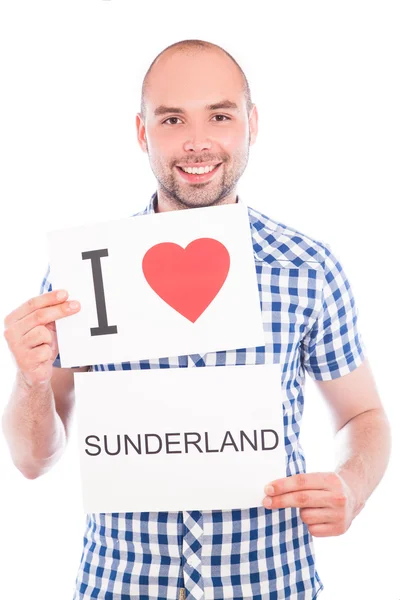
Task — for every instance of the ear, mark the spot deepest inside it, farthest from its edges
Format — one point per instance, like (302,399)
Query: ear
(141,132)
(253,125)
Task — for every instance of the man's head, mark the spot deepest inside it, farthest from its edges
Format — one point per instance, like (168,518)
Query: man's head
(196,109)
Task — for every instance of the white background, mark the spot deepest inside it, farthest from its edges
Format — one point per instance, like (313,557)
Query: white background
(324,77)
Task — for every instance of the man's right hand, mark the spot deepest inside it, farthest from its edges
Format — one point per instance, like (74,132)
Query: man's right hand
(31,334)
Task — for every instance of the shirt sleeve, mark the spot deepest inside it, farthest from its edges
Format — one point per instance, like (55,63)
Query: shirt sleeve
(333,346)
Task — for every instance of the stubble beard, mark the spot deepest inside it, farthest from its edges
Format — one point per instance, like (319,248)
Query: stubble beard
(196,195)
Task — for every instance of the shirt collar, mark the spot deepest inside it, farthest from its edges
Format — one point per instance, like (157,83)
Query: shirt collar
(150,207)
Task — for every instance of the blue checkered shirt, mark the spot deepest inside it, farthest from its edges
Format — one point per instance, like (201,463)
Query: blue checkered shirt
(310,324)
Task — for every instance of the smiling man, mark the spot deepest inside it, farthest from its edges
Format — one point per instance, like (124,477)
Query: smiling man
(196,124)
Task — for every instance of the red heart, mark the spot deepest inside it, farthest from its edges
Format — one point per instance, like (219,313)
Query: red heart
(188,279)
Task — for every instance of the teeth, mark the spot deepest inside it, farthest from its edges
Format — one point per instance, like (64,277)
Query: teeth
(199,170)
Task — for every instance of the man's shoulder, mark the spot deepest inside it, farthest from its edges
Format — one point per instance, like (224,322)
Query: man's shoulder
(276,242)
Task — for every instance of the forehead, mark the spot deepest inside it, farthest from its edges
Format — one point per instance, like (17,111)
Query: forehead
(194,80)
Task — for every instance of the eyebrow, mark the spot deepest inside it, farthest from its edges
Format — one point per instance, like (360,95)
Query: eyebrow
(224,104)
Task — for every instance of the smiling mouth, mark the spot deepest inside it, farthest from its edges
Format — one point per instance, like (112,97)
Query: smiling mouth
(196,177)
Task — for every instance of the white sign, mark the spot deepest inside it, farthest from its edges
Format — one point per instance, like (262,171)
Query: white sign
(157,285)
(205,438)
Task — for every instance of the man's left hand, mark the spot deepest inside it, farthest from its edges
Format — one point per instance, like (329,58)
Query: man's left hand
(327,505)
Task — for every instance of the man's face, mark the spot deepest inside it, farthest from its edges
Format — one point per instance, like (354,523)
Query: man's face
(185,127)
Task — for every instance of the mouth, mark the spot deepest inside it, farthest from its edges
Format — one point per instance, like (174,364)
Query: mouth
(195,177)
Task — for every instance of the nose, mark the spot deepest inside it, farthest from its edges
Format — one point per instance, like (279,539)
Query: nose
(197,143)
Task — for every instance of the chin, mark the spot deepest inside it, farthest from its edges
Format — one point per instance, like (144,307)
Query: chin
(198,202)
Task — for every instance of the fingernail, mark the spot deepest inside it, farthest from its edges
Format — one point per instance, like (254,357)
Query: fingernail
(74,305)
(61,294)
(267,502)
(269,490)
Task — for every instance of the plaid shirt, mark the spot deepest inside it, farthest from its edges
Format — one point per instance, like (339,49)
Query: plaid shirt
(310,324)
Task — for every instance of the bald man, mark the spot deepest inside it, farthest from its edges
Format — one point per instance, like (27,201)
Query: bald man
(196,124)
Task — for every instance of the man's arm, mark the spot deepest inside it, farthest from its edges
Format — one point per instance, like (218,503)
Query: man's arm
(36,421)
(330,501)
(362,440)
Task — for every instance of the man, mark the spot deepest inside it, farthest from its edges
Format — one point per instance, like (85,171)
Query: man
(197,123)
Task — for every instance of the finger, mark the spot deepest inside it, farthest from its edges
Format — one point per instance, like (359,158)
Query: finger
(49,299)
(36,336)
(303,499)
(324,530)
(44,316)
(313,516)
(302,481)
(40,354)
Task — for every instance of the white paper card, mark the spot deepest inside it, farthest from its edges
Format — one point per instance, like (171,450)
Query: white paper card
(168,284)
(129,463)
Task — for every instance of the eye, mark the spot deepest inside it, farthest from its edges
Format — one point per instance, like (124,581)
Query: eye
(169,119)
(225,117)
